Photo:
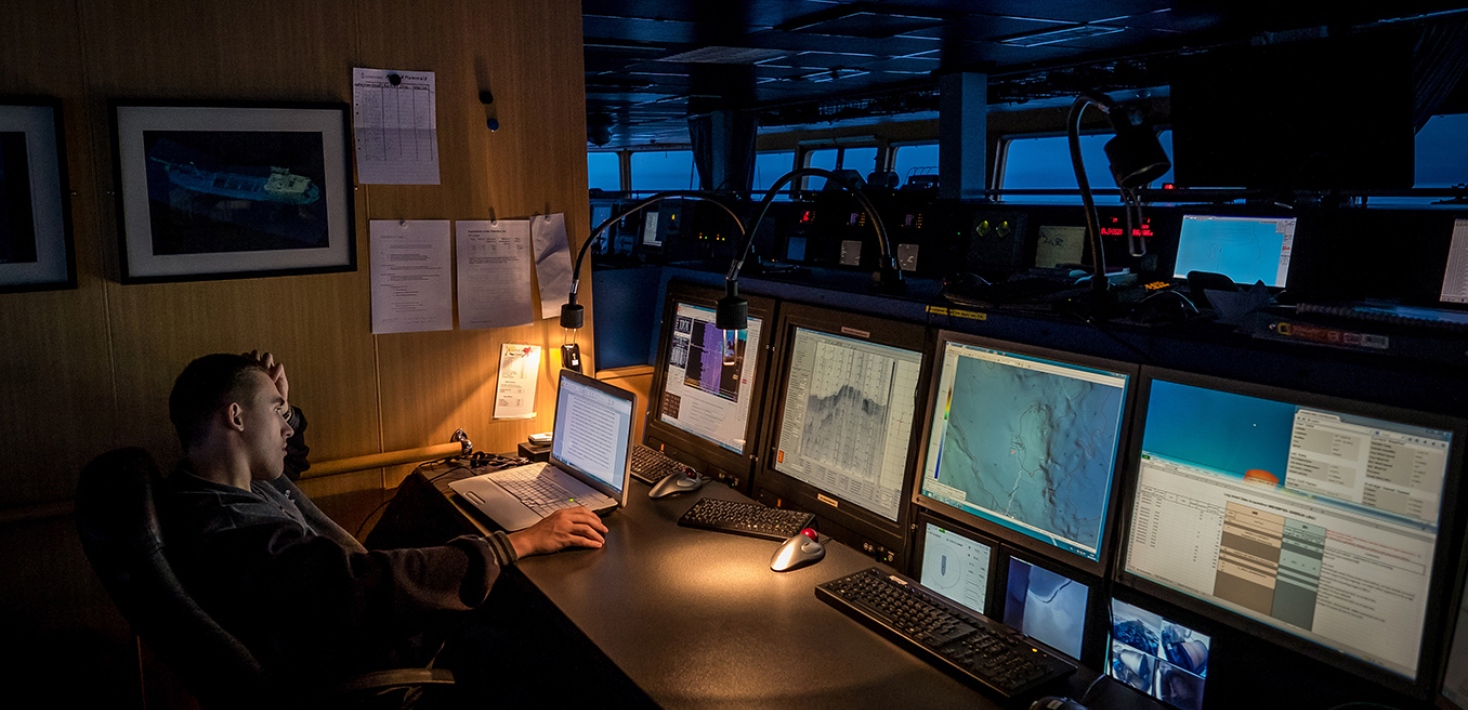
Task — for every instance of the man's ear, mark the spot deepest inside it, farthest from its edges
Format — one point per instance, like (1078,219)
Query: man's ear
(234,416)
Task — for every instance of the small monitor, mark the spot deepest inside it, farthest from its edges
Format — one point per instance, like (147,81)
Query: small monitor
(708,384)
(842,421)
(1024,443)
(1158,656)
(1245,249)
(1313,522)
(955,563)
(1454,693)
(1047,605)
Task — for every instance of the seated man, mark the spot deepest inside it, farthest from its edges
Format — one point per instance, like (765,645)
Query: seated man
(293,586)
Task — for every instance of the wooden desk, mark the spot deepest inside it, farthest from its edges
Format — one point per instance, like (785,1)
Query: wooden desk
(696,619)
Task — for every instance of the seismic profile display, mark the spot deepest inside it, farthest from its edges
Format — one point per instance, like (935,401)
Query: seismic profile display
(846,413)
(1032,448)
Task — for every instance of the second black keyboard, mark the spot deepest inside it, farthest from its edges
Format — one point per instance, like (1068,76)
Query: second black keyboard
(650,465)
(742,518)
(987,652)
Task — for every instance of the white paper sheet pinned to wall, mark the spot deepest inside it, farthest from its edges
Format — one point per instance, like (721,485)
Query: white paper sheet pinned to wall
(552,262)
(411,290)
(493,263)
(395,127)
(514,394)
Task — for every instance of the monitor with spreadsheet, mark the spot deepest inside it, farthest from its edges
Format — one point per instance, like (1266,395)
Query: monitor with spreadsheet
(1245,249)
(842,415)
(954,562)
(1312,521)
(708,384)
(1023,443)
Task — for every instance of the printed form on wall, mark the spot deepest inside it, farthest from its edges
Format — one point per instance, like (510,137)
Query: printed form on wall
(514,394)
(395,127)
(411,290)
(494,273)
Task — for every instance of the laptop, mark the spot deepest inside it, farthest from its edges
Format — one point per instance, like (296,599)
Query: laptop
(588,463)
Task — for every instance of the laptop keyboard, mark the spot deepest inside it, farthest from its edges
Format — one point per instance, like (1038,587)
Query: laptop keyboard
(651,465)
(539,494)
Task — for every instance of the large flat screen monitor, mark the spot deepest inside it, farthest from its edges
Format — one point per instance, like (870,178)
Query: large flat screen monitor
(841,422)
(1023,443)
(1316,523)
(708,384)
(1245,249)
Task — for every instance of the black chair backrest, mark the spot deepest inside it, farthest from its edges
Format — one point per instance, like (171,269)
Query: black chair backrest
(118,524)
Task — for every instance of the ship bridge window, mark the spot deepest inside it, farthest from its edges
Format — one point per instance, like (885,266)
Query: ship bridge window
(603,171)
(654,170)
(1441,158)
(862,159)
(1043,163)
(769,166)
(915,159)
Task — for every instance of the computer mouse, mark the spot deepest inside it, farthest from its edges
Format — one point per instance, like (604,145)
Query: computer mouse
(676,483)
(798,551)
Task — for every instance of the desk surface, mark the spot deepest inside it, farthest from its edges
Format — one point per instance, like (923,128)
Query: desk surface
(697,619)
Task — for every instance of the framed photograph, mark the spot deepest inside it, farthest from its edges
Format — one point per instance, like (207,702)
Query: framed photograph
(35,212)
(224,191)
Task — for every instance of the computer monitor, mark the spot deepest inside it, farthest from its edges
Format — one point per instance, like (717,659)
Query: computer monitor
(1047,603)
(650,235)
(708,387)
(955,562)
(1316,523)
(1023,443)
(1454,290)
(1454,692)
(1157,655)
(840,423)
(1245,249)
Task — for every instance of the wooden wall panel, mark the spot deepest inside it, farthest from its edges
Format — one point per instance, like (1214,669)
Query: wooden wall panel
(433,383)
(56,398)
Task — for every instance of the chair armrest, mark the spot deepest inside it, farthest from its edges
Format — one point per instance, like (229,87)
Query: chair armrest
(396,677)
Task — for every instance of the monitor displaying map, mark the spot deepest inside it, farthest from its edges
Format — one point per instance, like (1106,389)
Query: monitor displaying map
(1026,442)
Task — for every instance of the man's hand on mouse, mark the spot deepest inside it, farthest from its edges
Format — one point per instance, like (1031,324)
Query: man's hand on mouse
(570,527)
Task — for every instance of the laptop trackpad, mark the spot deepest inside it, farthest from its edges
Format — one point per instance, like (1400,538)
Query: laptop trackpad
(501,507)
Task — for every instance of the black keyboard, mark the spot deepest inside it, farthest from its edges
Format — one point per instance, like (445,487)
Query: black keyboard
(990,654)
(741,518)
(651,466)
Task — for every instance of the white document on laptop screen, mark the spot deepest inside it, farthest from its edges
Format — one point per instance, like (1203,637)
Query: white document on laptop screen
(590,434)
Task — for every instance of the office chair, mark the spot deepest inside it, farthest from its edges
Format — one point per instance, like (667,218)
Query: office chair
(120,534)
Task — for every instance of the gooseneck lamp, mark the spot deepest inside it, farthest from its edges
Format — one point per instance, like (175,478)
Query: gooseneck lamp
(573,314)
(733,311)
(1136,159)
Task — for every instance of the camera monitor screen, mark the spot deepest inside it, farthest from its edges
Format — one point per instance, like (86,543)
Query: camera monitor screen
(1027,441)
(1046,605)
(1158,656)
(1245,249)
(955,565)
(1316,518)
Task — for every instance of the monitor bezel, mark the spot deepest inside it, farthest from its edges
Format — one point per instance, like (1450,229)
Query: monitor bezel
(923,518)
(1445,553)
(1034,546)
(687,447)
(891,534)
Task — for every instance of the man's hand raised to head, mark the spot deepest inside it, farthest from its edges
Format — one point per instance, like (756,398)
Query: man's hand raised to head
(571,527)
(274,369)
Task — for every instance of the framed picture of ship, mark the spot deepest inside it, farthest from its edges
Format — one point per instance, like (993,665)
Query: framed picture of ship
(224,191)
(35,216)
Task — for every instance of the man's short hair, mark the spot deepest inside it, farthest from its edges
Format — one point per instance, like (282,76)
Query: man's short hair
(208,383)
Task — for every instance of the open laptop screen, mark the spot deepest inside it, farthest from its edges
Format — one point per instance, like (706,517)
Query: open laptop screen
(593,430)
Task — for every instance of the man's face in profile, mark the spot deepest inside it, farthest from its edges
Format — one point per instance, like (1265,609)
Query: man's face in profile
(265,430)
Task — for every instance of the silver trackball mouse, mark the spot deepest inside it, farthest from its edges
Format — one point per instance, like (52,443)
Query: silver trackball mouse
(677,483)
(798,551)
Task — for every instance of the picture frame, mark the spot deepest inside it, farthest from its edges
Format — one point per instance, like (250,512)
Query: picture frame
(232,190)
(36,251)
